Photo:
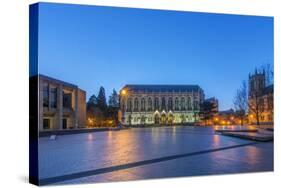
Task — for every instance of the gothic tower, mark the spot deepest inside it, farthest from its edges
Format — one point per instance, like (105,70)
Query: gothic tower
(256,83)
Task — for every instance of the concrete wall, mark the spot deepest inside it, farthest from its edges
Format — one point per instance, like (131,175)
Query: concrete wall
(75,115)
(81,108)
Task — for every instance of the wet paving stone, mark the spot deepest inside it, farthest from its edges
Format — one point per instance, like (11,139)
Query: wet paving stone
(78,153)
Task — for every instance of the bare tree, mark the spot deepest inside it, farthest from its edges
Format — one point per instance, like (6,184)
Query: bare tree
(241,102)
(256,105)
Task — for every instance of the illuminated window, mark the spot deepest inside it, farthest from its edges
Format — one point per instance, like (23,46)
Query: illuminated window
(136,104)
(163,103)
(170,104)
(149,104)
(129,105)
(189,107)
(182,103)
(156,103)
(176,104)
(196,105)
(142,104)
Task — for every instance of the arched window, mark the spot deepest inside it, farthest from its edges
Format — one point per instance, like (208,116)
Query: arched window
(149,104)
(176,104)
(170,103)
(188,103)
(163,103)
(142,104)
(196,105)
(136,104)
(156,103)
(182,103)
(129,105)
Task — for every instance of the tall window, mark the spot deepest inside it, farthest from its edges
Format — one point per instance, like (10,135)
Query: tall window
(189,107)
(176,104)
(46,123)
(149,104)
(53,97)
(182,103)
(142,104)
(196,105)
(46,95)
(163,103)
(136,104)
(156,103)
(170,104)
(129,105)
(67,100)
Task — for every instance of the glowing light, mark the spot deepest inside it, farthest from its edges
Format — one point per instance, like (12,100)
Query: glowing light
(216,119)
(123,92)
(90,120)
(232,118)
(251,116)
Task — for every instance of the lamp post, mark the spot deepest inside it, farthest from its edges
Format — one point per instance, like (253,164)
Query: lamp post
(123,95)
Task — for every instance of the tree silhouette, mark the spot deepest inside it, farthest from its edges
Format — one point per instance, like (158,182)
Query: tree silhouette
(101,100)
(241,102)
(113,99)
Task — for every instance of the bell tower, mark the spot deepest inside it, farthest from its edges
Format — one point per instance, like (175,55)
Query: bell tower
(256,83)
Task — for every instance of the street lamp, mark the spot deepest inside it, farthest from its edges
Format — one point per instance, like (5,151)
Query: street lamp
(123,94)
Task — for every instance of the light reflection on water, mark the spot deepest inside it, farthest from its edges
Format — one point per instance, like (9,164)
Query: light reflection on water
(96,150)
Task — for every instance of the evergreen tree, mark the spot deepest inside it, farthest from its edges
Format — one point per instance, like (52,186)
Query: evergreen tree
(93,100)
(101,100)
(207,111)
(114,99)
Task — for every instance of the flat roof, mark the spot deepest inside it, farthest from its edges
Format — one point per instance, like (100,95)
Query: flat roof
(162,88)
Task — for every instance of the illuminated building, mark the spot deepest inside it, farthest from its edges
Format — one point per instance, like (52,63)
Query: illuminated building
(260,98)
(160,104)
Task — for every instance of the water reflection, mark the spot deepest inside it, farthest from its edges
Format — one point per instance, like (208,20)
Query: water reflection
(90,137)
(155,135)
(216,140)
(82,152)
(109,135)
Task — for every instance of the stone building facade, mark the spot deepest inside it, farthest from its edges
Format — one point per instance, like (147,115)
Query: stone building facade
(61,105)
(160,104)
(260,99)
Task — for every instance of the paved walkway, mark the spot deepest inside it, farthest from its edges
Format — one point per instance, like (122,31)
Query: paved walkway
(148,153)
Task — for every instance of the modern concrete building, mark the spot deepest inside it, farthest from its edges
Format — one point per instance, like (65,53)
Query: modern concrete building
(160,104)
(61,105)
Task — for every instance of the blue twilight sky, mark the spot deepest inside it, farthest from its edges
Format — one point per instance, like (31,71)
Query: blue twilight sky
(94,46)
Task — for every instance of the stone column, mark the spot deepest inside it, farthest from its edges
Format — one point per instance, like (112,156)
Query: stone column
(40,105)
(76,109)
(49,96)
(60,107)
